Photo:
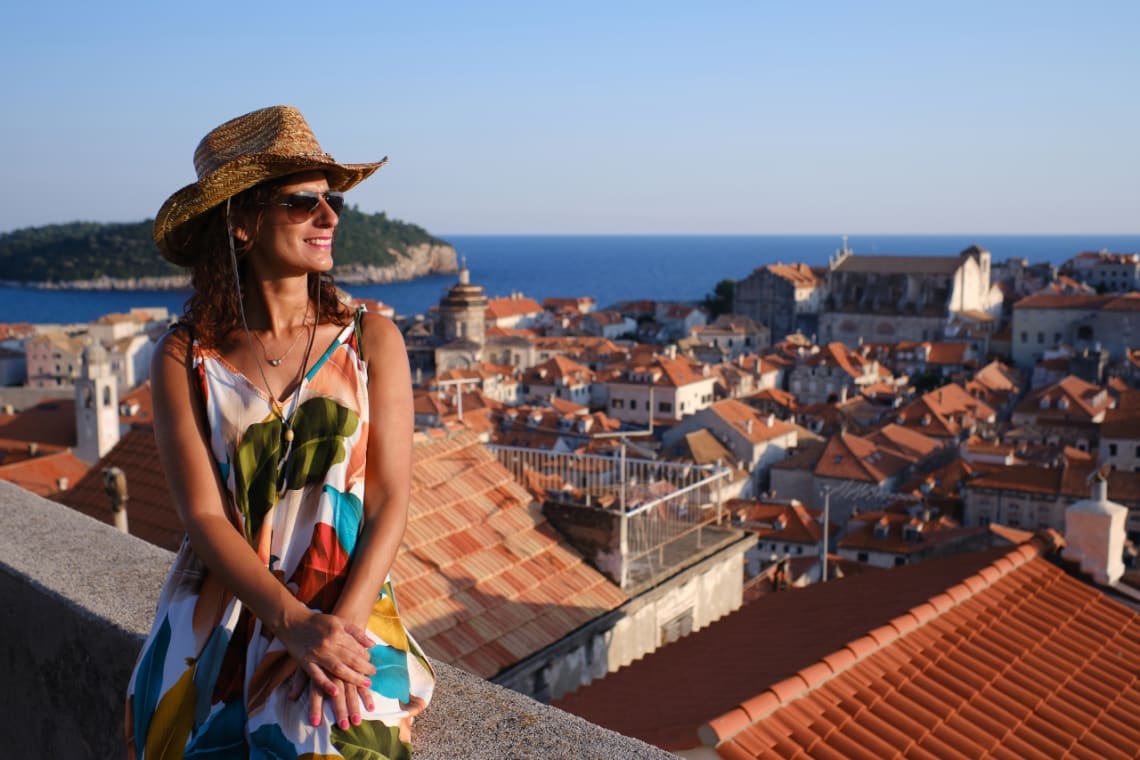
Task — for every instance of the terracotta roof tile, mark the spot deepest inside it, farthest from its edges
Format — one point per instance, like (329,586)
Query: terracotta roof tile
(817,624)
(506,586)
(51,421)
(976,687)
(47,474)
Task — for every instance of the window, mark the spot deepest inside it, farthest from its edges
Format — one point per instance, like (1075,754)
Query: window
(1138,451)
(617,403)
(664,406)
(682,625)
(1025,337)
(633,403)
(861,556)
(900,561)
(1112,449)
(1041,338)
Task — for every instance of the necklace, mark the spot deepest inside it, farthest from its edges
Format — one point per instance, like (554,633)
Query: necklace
(284,464)
(277,362)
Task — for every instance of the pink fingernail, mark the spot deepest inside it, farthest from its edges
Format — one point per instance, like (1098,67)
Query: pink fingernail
(343,723)
(316,720)
(370,708)
(356,720)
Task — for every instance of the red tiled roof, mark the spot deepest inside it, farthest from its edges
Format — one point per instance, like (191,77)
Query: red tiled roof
(837,354)
(1071,481)
(907,442)
(499,308)
(484,579)
(941,352)
(749,423)
(1018,661)
(136,407)
(862,533)
(664,697)
(150,507)
(777,396)
(849,457)
(51,421)
(792,523)
(799,274)
(44,474)
(1082,400)
(557,368)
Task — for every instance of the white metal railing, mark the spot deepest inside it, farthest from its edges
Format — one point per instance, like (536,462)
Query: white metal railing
(663,506)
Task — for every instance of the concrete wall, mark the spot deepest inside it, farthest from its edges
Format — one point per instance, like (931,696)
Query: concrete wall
(699,595)
(76,599)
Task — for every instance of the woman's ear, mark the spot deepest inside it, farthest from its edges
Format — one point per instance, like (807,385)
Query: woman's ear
(240,232)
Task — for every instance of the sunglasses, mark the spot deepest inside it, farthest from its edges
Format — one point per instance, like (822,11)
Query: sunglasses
(301,205)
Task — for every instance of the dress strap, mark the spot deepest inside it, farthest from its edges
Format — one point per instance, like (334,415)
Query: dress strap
(358,329)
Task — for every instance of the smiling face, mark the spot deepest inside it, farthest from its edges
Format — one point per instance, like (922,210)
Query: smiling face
(283,247)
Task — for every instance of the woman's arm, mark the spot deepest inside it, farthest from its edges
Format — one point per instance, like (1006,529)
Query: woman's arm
(322,645)
(388,468)
(387,489)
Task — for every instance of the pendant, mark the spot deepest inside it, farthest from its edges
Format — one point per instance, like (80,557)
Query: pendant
(288,435)
(275,362)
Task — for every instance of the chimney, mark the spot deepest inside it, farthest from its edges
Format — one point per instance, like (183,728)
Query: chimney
(1095,532)
(62,483)
(748,426)
(115,484)
(33,449)
(771,420)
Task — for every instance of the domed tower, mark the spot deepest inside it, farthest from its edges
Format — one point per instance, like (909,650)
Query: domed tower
(96,406)
(463,311)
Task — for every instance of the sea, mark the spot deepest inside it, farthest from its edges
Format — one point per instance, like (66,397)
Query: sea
(608,268)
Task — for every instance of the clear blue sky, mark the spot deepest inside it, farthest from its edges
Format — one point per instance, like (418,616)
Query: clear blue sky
(600,117)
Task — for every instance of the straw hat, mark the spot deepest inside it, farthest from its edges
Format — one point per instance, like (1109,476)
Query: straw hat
(243,152)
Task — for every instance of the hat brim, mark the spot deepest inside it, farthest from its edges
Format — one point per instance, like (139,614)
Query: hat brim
(188,204)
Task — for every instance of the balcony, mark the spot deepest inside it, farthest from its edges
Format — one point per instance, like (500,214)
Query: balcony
(637,520)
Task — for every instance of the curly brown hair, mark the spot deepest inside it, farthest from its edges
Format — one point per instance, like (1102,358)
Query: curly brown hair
(213,311)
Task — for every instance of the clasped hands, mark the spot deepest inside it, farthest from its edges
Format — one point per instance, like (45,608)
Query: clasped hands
(332,661)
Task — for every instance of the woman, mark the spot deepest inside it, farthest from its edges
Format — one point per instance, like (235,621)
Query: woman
(284,424)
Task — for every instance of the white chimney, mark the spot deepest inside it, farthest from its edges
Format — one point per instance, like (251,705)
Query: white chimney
(1094,534)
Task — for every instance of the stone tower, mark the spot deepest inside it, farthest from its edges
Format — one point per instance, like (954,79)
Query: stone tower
(463,311)
(96,406)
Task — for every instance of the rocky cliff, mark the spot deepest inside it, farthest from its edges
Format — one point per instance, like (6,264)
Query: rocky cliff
(420,260)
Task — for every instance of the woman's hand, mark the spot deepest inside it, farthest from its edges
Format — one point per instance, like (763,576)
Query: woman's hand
(346,704)
(332,656)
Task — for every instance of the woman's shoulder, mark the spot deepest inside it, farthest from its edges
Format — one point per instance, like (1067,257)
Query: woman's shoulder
(379,334)
(178,341)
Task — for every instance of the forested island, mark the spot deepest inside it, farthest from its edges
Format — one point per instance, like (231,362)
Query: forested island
(97,256)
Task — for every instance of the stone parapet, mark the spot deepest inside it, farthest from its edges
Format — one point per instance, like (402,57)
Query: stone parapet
(77,598)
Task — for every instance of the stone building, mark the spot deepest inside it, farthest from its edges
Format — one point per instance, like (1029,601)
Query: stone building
(785,297)
(1044,321)
(1107,272)
(896,298)
(55,359)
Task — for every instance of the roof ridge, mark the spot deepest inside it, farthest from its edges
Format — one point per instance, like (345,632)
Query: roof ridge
(725,727)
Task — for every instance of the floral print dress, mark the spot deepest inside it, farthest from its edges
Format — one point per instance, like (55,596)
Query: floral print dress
(210,681)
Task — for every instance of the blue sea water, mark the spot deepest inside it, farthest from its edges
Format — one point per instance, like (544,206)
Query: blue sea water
(609,268)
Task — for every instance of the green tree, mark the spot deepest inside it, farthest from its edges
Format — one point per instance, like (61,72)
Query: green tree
(720,300)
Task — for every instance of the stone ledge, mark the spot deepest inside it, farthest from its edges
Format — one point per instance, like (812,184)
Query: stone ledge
(77,598)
